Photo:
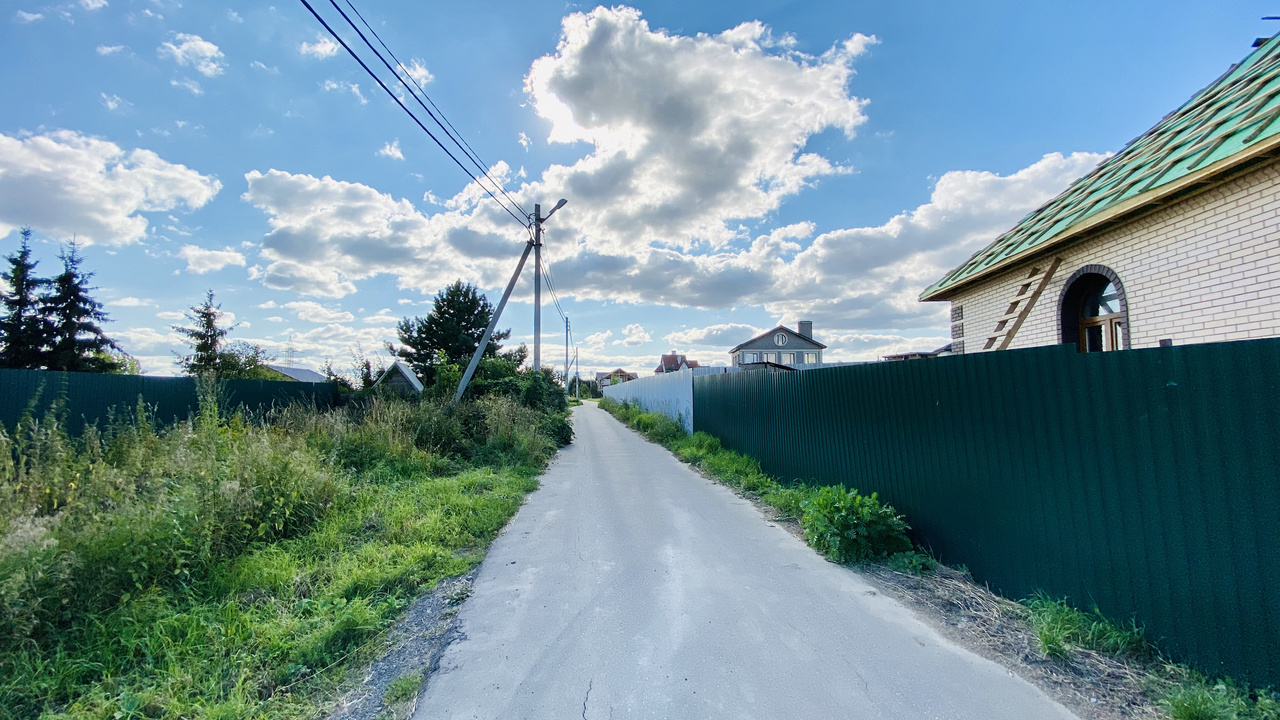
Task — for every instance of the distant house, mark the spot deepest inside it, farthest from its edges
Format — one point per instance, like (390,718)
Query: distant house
(1171,240)
(674,363)
(401,378)
(916,355)
(615,377)
(782,346)
(299,374)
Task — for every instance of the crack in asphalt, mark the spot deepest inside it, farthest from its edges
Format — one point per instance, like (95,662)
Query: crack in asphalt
(588,697)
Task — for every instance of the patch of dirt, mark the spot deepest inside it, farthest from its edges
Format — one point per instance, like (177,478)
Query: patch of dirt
(1089,684)
(414,646)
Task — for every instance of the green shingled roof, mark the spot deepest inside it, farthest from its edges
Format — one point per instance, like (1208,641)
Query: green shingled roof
(1230,119)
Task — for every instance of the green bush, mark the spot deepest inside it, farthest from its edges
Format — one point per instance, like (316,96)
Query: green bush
(848,527)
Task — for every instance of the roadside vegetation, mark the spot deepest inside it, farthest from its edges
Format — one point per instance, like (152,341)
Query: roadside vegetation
(848,527)
(233,567)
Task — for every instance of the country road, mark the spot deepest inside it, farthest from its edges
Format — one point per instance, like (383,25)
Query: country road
(630,586)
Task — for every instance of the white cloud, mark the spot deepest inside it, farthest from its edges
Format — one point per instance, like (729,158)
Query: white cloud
(113,102)
(93,4)
(26,17)
(343,86)
(322,48)
(268,305)
(110,49)
(721,335)
(417,71)
(145,338)
(392,150)
(67,184)
(596,341)
(382,317)
(195,52)
(188,84)
(275,319)
(132,302)
(234,16)
(317,313)
(259,65)
(201,261)
(633,334)
(170,315)
(524,141)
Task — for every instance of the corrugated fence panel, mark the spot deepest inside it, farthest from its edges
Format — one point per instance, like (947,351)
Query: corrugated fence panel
(670,394)
(92,397)
(1145,481)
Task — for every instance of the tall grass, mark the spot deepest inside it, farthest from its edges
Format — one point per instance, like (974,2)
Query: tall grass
(227,568)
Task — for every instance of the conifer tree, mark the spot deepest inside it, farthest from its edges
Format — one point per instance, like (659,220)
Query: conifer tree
(205,338)
(24,329)
(77,342)
(449,333)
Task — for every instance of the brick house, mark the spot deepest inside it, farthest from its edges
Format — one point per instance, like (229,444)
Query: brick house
(1175,239)
(674,363)
(781,346)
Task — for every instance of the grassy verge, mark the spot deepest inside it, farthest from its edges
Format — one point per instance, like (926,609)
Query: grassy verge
(848,527)
(228,569)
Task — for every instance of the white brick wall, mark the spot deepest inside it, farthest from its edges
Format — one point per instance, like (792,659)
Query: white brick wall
(1205,269)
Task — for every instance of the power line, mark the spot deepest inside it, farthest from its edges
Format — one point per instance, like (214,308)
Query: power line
(450,130)
(383,85)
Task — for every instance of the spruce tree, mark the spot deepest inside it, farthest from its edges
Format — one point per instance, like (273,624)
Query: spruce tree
(77,342)
(449,333)
(204,335)
(24,329)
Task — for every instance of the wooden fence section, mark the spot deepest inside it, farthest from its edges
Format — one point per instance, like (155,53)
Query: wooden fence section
(1145,481)
(91,397)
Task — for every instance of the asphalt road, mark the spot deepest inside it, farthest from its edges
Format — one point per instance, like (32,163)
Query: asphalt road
(630,586)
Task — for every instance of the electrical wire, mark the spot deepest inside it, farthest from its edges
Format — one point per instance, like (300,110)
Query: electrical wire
(397,100)
(450,130)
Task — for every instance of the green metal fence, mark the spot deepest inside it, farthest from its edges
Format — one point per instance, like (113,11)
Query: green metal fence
(91,397)
(1145,481)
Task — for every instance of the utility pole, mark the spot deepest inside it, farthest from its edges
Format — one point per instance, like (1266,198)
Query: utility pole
(537,287)
(566,355)
(497,312)
(577,376)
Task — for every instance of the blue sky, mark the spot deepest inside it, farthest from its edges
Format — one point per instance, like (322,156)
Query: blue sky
(729,166)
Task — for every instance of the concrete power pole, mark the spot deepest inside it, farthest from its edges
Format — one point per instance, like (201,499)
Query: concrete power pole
(537,288)
(566,355)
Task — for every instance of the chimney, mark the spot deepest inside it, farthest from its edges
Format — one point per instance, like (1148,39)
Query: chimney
(806,328)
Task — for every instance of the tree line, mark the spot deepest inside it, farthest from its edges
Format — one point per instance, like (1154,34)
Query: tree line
(52,323)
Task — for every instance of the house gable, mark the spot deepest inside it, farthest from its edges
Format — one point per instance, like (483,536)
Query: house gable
(768,341)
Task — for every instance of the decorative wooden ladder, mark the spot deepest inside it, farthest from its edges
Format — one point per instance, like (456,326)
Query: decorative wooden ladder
(1024,299)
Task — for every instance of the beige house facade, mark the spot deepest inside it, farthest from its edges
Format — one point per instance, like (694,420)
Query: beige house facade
(1173,240)
(1206,269)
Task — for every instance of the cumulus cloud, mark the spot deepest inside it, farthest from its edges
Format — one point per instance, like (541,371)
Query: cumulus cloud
(633,334)
(392,150)
(322,48)
(596,341)
(317,313)
(93,4)
(201,261)
(145,338)
(67,184)
(195,52)
(132,302)
(382,317)
(170,315)
(720,335)
(417,72)
(343,86)
(105,50)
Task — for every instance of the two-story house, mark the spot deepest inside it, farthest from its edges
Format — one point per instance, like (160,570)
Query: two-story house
(782,346)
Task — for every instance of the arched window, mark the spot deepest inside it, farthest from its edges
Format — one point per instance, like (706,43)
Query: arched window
(1093,311)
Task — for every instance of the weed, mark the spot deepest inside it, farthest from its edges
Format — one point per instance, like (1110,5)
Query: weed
(912,563)
(848,527)
(1059,626)
(404,688)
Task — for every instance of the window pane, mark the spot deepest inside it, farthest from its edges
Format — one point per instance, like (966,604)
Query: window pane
(1102,301)
(1092,338)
